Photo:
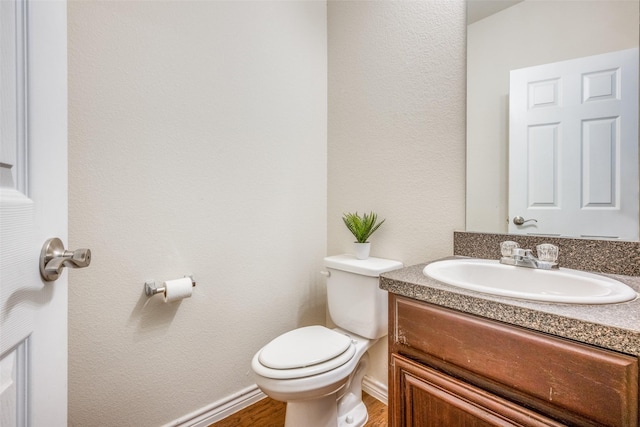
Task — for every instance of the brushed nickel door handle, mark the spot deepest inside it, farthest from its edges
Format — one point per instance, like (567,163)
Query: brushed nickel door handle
(518,220)
(54,257)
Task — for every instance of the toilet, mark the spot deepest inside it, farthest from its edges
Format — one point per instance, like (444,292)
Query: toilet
(318,371)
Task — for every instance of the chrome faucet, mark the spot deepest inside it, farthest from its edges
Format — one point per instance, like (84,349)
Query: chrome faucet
(512,254)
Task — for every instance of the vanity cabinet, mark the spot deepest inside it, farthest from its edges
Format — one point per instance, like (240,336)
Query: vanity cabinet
(448,368)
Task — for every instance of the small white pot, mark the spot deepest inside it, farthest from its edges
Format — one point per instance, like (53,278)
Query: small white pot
(362,250)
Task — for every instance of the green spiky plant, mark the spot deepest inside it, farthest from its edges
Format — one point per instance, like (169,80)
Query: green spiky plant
(362,227)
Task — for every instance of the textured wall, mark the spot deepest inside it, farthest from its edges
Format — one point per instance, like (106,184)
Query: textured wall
(397,127)
(197,145)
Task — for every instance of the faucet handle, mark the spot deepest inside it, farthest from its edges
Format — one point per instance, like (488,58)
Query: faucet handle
(520,254)
(507,248)
(547,252)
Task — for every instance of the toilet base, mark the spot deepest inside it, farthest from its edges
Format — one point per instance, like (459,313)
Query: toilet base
(344,408)
(357,417)
(321,412)
(352,411)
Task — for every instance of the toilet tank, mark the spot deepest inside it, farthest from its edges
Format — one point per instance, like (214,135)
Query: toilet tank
(355,301)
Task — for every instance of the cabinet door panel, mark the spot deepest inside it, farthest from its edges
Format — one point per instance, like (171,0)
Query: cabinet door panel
(581,384)
(428,398)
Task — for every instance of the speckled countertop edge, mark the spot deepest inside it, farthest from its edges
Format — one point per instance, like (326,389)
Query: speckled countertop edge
(612,326)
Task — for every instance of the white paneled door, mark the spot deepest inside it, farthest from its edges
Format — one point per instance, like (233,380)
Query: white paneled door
(573,147)
(33,208)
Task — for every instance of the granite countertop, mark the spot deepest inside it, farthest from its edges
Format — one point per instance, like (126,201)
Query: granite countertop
(612,326)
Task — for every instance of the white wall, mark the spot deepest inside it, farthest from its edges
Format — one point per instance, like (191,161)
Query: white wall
(197,144)
(529,33)
(397,128)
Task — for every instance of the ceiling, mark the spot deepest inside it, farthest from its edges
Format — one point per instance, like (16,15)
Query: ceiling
(479,9)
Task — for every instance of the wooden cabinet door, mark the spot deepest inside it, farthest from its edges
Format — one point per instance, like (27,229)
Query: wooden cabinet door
(580,384)
(424,397)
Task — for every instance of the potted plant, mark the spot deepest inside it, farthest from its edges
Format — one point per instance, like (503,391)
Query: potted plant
(362,227)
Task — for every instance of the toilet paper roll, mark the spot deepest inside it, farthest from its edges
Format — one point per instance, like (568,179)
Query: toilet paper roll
(175,290)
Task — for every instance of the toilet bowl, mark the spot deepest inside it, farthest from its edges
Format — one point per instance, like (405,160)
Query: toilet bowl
(320,394)
(318,371)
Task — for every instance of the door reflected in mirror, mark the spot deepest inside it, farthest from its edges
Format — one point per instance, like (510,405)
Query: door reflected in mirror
(529,34)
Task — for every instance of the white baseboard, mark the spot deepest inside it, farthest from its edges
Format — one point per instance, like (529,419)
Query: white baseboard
(229,405)
(216,411)
(376,389)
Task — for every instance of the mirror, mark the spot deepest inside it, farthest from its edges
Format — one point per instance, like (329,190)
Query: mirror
(504,35)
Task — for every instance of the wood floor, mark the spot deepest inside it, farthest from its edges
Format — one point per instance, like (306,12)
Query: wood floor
(270,413)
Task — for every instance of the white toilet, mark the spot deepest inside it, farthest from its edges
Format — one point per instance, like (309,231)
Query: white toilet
(318,371)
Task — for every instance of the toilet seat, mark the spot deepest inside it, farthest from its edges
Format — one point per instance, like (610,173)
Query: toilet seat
(303,352)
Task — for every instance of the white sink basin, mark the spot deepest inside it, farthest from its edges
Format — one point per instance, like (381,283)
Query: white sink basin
(562,285)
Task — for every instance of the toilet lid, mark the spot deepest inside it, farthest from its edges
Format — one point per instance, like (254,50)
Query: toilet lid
(304,347)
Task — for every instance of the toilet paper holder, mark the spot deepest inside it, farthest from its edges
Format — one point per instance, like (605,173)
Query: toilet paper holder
(150,287)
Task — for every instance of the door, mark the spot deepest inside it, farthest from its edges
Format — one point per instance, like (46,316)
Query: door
(33,208)
(573,147)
